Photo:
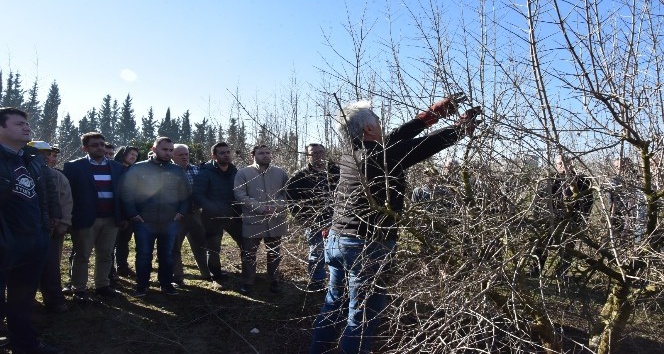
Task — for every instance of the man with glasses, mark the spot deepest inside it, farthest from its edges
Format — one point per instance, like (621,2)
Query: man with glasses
(94,181)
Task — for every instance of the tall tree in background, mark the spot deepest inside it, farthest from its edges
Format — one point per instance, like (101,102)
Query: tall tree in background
(115,116)
(49,121)
(68,139)
(126,131)
(34,109)
(168,127)
(89,122)
(199,130)
(148,126)
(106,124)
(210,135)
(13,96)
(185,132)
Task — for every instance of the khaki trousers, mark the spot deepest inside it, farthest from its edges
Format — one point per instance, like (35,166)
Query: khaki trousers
(100,236)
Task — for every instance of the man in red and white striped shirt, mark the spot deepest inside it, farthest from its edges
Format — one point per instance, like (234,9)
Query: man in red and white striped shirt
(94,181)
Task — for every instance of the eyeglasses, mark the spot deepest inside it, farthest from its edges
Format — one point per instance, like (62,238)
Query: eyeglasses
(95,145)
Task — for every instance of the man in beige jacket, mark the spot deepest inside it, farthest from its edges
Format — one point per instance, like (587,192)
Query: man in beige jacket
(51,282)
(260,190)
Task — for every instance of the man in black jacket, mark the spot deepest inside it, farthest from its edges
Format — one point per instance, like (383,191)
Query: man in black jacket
(24,209)
(213,191)
(155,197)
(369,199)
(310,200)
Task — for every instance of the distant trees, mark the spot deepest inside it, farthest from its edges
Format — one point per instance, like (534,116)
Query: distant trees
(49,120)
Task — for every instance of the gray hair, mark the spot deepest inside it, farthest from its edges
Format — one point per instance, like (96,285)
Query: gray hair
(354,117)
(180,146)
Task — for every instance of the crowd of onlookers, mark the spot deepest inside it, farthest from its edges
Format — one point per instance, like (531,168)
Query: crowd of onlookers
(108,196)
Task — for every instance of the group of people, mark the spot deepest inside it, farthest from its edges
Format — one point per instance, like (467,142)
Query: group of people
(350,214)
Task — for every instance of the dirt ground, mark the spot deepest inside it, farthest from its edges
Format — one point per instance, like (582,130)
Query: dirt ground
(198,320)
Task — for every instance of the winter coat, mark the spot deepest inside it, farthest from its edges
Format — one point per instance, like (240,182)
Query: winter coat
(156,191)
(213,191)
(256,190)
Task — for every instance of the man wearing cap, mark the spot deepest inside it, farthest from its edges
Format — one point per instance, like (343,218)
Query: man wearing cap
(51,282)
(24,217)
(94,181)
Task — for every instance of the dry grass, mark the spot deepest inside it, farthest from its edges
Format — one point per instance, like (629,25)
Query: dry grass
(198,320)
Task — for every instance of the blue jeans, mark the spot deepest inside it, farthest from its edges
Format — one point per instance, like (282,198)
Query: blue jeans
(145,235)
(355,296)
(316,261)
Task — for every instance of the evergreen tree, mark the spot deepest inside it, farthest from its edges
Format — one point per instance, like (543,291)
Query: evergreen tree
(106,119)
(127,124)
(87,124)
(220,133)
(13,96)
(169,127)
(232,133)
(68,138)
(185,133)
(210,136)
(49,121)
(200,131)
(34,110)
(148,126)
(115,117)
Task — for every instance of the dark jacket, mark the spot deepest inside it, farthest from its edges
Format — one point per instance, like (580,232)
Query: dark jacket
(154,190)
(213,191)
(310,194)
(565,205)
(383,168)
(84,191)
(45,187)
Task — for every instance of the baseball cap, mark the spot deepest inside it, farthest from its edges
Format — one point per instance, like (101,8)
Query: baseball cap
(42,145)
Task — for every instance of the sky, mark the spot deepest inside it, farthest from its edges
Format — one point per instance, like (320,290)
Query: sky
(167,53)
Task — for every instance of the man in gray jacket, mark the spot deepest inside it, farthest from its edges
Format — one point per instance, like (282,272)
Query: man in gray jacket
(260,190)
(154,195)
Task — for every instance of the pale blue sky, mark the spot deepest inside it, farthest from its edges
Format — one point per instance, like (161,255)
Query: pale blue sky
(182,54)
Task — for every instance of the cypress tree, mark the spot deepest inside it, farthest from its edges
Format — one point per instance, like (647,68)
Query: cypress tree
(148,126)
(200,130)
(49,122)
(127,124)
(68,138)
(34,110)
(106,119)
(13,96)
(185,133)
(87,124)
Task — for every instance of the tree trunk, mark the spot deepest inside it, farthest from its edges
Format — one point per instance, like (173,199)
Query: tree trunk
(616,312)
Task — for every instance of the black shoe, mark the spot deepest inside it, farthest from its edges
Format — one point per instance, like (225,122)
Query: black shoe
(81,296)
(106,291)
(140,292)
(275,286)
(126,272)
(40,349)
(67,289)
(178,284)
(114,283)
(246,289)
(169,290)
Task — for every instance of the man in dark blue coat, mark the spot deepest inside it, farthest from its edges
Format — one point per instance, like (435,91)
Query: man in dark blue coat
(213,191)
